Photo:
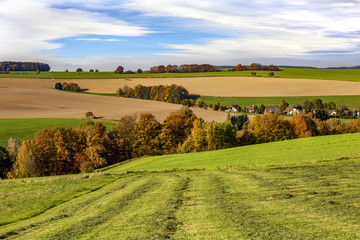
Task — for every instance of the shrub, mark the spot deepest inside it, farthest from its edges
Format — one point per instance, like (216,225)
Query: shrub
(253,74)
(58,86)
(271,74)
(79,70)
(5,162)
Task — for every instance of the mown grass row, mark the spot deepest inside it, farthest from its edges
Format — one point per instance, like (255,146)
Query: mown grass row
(301,201)
(328,74)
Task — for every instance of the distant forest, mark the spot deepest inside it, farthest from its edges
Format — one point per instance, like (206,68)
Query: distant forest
(23,66)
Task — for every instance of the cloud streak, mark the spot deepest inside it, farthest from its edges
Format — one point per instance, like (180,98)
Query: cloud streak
(240,30)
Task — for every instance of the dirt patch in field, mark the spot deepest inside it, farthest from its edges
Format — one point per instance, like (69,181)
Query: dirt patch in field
(36,98)
(229,86)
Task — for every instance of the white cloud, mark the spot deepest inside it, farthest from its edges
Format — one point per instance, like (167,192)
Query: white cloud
(260,28)
(101,40)
(29,26)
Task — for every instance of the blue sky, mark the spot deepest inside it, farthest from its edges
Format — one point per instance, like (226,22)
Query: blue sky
(102,34)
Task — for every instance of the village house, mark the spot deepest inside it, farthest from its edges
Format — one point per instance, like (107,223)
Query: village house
(331,112)
(272,109)
(251,109)
(233,108)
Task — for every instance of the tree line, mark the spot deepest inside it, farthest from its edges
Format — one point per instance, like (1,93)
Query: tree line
(23,66)
(171,94)
(185,68)
(255,66)
(67,150)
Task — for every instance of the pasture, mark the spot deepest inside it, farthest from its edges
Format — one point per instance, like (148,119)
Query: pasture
(27,127)
(351,101)
(317,200)
(276,153)
(303,73)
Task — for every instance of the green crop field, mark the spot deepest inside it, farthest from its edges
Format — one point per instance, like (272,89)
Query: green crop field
(301,201)
(330,74)
(352,102)
(276,153)
(27,127)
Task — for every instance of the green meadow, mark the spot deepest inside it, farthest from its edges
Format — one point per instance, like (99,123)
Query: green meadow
(27,127)
(328,74)
(301,192)
(351,101)
(276,153)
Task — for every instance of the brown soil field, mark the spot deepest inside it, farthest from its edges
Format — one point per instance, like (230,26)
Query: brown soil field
(231,86)
(36,98)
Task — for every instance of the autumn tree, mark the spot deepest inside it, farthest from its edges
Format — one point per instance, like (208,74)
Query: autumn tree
(97,145)
(147,131)
(25,165)
(283,105)
(123,137)
(44,152)
(304,126)
(196,141)
(176,128)
(13,148)
(271,128)
(89,115)
(119,70)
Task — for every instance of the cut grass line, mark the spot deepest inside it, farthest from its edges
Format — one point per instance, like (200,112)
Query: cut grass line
(86,225)
(66,209)
(165,219)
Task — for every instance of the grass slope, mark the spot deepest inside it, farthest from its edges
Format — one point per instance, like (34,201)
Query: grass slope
(312,201)
(330,74)
(27,127)
(352,102)
(275,153)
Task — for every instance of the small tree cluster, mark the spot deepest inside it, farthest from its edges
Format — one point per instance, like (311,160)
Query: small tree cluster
(74,87)
(186,68)
(256,66)
(170,94)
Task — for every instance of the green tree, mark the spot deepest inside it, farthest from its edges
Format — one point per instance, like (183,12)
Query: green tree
(5,162)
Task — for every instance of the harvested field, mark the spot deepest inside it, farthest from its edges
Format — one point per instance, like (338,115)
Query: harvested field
(230,86)
(36,98)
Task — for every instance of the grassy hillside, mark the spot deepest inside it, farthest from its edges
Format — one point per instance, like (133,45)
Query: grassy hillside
(275,153)
(352,102)
(27,127)
(331,74)
(303,201)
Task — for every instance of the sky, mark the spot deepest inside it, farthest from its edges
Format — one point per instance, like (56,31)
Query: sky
(103,34)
